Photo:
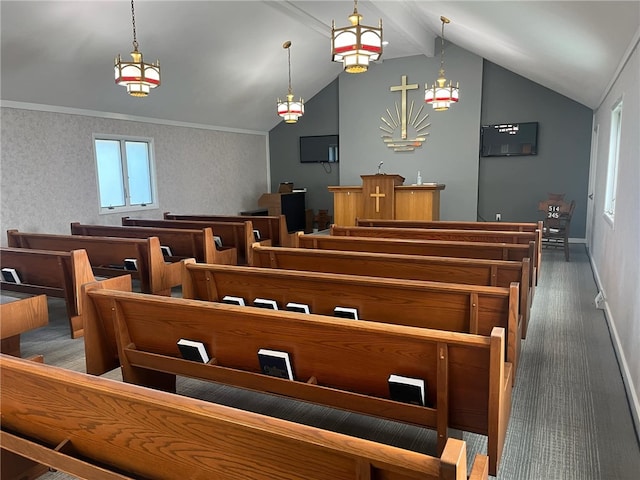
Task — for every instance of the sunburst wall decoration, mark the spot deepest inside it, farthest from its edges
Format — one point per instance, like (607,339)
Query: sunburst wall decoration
(405,131)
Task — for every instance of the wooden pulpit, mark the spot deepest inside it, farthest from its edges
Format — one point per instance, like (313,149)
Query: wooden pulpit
(385,197)
(378,192)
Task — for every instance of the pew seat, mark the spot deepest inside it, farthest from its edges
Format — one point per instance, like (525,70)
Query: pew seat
(117,431)
(468,382)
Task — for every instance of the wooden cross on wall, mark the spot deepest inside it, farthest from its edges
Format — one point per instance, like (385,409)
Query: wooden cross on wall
(377,196)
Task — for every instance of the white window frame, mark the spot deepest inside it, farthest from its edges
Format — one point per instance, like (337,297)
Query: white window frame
(612,164)
(152,172)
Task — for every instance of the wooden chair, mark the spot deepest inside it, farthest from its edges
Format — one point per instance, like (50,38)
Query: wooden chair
(557,223)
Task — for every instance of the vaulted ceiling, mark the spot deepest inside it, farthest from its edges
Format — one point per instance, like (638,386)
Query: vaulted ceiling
(223,64)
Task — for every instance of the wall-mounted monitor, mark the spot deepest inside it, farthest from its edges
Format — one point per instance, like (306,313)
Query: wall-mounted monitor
(509,139)
(319,149)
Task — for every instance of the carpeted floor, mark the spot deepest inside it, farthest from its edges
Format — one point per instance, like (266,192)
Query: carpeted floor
(570,418)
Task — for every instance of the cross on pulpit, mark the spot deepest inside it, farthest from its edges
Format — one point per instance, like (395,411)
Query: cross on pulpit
(377,196)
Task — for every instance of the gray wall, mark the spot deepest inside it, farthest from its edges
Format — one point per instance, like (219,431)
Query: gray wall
(513,186)
(320,118)
(450,153)
(355,104)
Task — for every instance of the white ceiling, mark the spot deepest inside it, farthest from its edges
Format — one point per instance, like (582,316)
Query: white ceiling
(223,64)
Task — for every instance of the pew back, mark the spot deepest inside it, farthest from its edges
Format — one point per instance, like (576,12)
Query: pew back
(50,272)
(535,227)
(448,224)
(442,235)
(436,234)
(233,234)
(411,267)
(184,243)
(271,227)
(462,372)
(107,256)
(444,306)
(19,316)
(157,435)
(460,249)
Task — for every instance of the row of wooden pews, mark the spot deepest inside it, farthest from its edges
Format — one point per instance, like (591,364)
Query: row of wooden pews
(142,258)
(469,271)
(141,433)
(58,265)
(387,250)
(468,375)
(234,231)
(209,286)
(212,283)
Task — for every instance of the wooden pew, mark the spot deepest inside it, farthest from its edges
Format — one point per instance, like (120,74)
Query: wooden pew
(338,363)
(444,235)
(272,228)
(143,433)
(53,273)
(19,316)
(444,306)
(449,224)
(489,251)
(107,256)
(470,271)
(535,227)
(233,234)
(184,243)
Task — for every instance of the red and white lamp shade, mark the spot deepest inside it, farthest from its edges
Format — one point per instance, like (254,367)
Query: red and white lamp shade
(356,45)
(290,110)
(138,77)
(442,95)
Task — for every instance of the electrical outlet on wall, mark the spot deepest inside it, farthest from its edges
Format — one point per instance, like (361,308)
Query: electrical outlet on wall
(498,217)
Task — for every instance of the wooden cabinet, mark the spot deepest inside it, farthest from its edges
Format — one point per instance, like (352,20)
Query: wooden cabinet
(291,205)
(417,203)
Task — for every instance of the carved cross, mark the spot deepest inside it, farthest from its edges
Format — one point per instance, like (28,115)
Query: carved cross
(377,196)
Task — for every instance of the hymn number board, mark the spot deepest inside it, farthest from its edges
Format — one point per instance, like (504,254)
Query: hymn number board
(553,211)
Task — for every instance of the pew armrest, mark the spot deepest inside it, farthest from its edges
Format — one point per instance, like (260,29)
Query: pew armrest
(480,468)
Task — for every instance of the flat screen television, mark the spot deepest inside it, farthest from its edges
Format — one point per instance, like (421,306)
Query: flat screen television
(509,139)
(319,149)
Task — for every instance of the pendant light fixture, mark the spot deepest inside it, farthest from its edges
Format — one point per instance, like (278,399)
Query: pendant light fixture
(356,45)
(289,109)
(137,76)
(440,95)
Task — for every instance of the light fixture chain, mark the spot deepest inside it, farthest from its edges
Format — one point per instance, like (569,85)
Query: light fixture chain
(133,22)
(442,50)
(289,61)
